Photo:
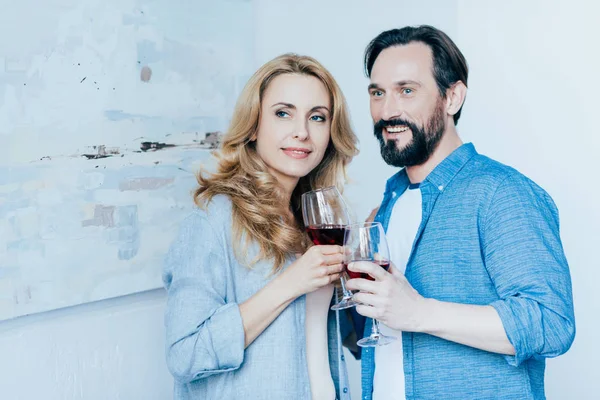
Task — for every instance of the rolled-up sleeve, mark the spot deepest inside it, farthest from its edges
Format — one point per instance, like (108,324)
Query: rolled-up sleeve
(525,259)
(204,332)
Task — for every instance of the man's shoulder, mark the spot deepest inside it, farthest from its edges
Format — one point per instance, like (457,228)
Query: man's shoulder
(492,176)
(494,173)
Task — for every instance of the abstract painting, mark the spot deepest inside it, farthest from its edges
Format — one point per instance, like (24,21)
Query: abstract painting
(107,110)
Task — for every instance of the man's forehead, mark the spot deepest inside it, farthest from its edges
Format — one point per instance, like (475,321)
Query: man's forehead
(413,61)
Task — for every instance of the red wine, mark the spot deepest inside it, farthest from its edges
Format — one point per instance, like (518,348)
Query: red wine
(326,234)
(353,275)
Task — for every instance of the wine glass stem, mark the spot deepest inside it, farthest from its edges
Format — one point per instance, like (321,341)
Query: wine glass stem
(346,292)
(375,328)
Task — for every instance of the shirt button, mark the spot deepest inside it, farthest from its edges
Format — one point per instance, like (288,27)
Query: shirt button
(345,390)
(343,358)
(441,187)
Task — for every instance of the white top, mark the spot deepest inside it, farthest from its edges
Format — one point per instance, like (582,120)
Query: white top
(317,354)
(388,382)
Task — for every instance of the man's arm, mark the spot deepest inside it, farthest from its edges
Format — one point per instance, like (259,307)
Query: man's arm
(392,300)
(471,325)
(372,215)
(523,255)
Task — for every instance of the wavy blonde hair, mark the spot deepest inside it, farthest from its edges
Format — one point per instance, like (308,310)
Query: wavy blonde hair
(259,212)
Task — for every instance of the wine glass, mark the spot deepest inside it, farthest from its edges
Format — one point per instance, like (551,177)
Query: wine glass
(366,242)
(325,217)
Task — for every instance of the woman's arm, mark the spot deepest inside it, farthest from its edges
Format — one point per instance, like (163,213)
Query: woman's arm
(318,267)
(205,333)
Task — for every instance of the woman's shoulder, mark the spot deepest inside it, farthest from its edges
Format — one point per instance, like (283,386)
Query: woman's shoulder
(208,220)
(217,210)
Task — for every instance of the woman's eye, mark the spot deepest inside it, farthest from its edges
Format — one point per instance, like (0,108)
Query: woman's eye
(282,114)
(317,118)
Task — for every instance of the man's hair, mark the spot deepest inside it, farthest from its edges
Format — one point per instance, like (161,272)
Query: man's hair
(449,64)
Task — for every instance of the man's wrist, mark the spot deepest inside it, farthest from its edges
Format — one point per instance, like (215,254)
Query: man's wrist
(426,316)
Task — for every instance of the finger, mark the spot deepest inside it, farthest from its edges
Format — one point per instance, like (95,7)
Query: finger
(367,299)
(328,249)
(367,311)
(363,285)
(375,270)
(337,258)
(334,277)
(335,269)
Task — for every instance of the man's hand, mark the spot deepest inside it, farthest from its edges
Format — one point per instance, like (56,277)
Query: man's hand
(390,298)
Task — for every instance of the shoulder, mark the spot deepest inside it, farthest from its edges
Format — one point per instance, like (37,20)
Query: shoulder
(215,213)
(491,175)
(207,224)
(201,234)
(507,189)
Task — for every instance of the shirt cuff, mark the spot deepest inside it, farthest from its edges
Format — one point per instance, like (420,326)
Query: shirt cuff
(228,336)
(519,320)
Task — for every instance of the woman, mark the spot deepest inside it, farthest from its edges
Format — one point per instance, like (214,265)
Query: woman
(238,274)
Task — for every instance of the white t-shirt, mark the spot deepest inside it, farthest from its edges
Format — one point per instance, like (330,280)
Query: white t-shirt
(388,382)
(317,354)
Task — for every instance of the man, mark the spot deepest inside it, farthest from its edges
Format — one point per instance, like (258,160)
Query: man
(480,292)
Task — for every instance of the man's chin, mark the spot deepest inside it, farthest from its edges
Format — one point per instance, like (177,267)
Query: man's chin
(399,145)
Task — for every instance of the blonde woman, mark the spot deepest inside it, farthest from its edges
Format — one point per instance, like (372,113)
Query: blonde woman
(242,272)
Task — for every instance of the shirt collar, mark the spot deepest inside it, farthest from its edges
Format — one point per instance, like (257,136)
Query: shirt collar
(445,171)
(442,174)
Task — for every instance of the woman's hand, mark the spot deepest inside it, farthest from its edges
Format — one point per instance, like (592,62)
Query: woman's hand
(318,267)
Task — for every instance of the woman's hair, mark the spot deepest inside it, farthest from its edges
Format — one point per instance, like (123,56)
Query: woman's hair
(259,211)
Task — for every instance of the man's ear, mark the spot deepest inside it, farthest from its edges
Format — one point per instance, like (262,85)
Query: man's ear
(455,97)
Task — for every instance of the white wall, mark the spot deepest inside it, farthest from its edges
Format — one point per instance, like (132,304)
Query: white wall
(109,350)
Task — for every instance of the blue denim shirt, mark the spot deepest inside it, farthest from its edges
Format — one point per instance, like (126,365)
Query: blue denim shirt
(204,332)
(488,236)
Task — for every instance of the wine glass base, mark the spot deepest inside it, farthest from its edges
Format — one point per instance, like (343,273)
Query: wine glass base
(376,340)
(346,302)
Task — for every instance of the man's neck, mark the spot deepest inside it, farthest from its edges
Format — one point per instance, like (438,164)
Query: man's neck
(450,141)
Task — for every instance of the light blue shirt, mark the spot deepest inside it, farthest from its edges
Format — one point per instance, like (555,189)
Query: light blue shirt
(488,236)
(204,333)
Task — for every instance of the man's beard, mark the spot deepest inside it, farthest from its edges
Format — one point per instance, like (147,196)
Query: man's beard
(424,140)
